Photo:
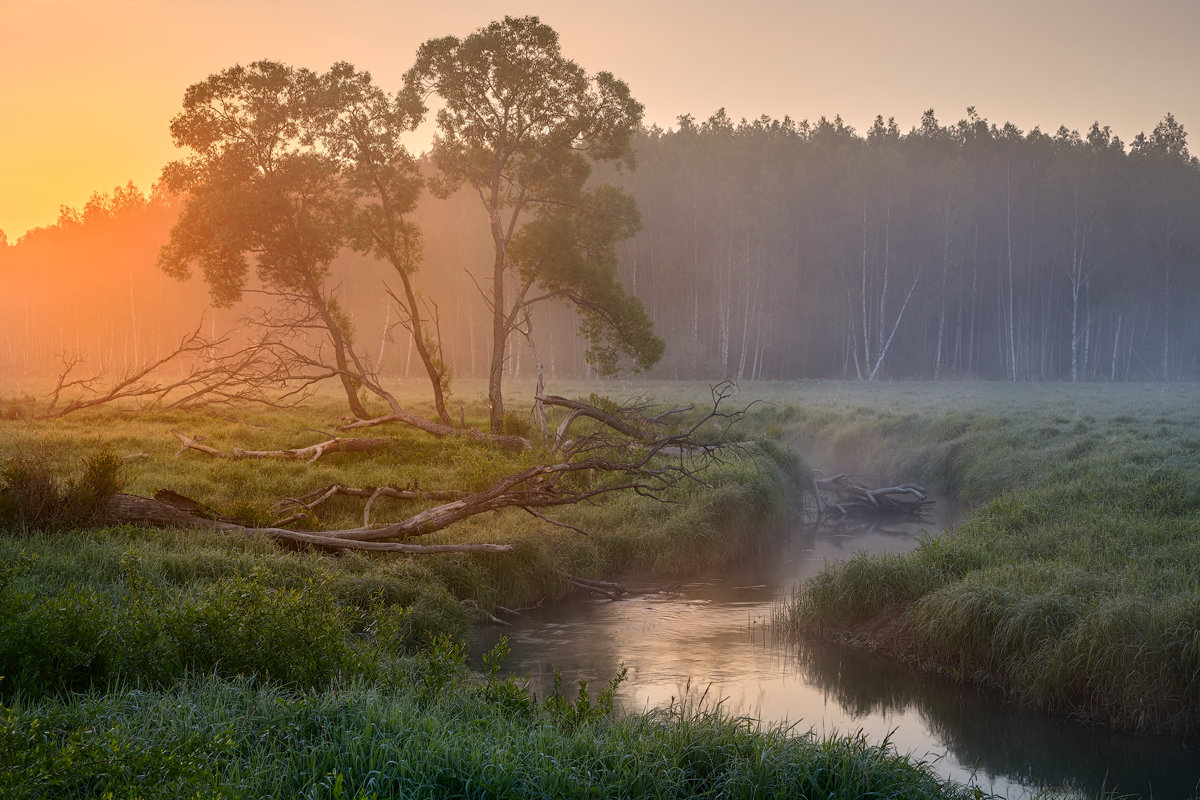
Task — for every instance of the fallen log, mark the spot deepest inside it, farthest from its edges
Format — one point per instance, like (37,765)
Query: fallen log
(310,453)
(841,498)
(134,510)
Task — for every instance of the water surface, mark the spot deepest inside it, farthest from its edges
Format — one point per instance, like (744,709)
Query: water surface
(710,642)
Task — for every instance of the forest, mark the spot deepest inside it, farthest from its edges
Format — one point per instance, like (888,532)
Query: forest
(784,250)
(767,250)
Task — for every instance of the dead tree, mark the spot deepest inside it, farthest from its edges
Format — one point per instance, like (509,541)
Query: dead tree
(212,375)
(595,465)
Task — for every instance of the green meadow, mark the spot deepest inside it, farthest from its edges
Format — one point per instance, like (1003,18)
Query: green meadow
(154,663)
(143,663)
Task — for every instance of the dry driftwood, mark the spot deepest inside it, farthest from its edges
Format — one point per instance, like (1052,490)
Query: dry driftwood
(841,498)
(310,453)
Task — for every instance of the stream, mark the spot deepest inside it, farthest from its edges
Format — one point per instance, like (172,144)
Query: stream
(711,642)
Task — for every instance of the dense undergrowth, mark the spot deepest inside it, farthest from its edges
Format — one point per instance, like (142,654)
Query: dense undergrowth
(145,663)
(1075,584)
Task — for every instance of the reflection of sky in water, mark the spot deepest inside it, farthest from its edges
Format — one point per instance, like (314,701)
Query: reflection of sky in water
(711,643)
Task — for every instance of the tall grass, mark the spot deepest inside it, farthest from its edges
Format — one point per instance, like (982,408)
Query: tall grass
(178,664)
(85,607)
(1073,586)
(33,497)
(208,737)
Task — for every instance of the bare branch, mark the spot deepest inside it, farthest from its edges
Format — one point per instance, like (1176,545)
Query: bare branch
(249,374)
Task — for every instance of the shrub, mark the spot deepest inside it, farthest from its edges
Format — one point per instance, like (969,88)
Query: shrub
(32,497)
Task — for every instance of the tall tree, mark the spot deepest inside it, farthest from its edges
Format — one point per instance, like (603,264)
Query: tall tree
(361,127)
(289,167)
(1169,174)
(521,125)
(258,186)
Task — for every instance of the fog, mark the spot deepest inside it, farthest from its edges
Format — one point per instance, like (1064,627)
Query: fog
(768,250)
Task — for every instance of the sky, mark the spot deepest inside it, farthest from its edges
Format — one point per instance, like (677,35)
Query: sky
(88,87)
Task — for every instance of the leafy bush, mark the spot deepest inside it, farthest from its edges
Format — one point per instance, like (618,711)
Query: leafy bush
(32,497)
(81,637)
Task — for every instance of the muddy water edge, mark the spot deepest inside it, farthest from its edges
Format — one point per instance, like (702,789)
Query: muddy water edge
(709,641)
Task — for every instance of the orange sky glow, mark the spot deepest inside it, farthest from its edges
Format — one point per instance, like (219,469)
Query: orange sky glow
(89,86)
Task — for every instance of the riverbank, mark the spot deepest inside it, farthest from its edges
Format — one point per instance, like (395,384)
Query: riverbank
(1071,587)
(146,663)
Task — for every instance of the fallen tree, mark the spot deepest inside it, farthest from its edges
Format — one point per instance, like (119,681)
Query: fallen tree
(134,510)
(839,498)
(594,465)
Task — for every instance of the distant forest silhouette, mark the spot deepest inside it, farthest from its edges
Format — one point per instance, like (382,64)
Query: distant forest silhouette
(769,249)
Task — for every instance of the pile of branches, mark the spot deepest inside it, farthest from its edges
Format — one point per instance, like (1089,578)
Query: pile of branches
(626,452)
(840,498)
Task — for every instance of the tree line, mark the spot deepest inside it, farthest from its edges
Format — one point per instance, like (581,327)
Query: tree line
(776,250)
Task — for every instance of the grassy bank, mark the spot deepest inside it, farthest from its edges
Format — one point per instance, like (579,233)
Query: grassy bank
(1073,585)
(144,663)
(75,583)
(444,736)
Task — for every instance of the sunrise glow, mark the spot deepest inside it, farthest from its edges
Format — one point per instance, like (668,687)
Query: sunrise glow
(90,87)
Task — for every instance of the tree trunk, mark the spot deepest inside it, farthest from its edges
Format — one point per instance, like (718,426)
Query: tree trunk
(499,334)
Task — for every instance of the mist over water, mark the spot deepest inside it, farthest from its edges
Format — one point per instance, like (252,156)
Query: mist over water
(710,644)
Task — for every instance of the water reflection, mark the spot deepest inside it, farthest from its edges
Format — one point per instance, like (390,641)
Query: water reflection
(1004,742)
(711,642)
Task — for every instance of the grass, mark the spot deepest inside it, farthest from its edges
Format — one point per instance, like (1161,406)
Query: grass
(142,663)
(248,488)
(1075,585)
(165,664)
(207,737)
